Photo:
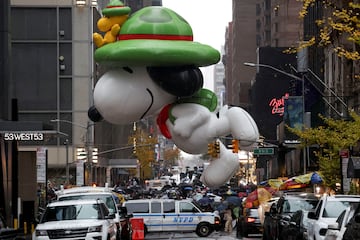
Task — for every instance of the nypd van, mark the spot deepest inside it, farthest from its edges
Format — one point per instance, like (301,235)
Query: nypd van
(173,215)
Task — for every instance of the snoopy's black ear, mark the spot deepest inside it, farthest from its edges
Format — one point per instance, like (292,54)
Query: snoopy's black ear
(94,114)
(180,81)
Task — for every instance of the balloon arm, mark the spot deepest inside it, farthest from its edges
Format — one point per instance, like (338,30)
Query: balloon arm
(115,29)
(184,126)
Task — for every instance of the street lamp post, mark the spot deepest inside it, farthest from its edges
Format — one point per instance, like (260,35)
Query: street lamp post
(86,142)
(67,161)
(302,94)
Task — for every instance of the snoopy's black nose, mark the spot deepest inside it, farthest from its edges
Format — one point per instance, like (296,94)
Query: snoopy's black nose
(180,81)
(94,114)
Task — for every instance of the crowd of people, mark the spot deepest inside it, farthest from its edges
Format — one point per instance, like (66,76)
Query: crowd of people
(230,208)
(226,201)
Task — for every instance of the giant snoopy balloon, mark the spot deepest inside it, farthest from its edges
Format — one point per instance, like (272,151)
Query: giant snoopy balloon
(153,70)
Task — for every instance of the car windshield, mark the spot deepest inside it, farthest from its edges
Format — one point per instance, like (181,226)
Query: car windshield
(71,212)
(107,199)
(334,208)
(293,205)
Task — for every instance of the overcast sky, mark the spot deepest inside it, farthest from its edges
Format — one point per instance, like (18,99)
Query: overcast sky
(208,20)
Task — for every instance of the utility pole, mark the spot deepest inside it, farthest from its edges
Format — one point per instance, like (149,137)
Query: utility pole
(67,161)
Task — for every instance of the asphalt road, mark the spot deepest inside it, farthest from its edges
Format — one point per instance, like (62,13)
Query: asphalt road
(190,236)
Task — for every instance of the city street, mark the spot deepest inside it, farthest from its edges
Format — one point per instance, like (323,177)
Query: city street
(170,119)
(214,235)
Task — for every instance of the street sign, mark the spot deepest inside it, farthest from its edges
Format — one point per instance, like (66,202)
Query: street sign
(264,151)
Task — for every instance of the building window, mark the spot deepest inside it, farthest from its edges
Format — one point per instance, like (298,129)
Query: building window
(267,36)
(267,5)
(258,25)
(156,3)
(41,27)
(258,10)
(267,20)
(258,40)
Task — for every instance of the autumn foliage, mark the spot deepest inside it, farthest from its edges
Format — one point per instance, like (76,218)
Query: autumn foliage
(330,138)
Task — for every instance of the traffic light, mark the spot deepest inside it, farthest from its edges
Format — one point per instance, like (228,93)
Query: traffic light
(81,153)
(134,146)
(235,145)
(217,148)
(95,157)
(210,148)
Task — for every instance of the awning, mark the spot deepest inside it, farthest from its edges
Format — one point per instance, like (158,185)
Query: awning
(122,172)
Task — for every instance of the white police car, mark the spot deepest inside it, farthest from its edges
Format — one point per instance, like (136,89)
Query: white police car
(93,192)
(173,215)
(76,219)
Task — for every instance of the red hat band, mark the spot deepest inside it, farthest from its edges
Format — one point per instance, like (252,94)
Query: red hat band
(155,37)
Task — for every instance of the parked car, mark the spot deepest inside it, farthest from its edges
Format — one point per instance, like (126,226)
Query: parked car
(250,222)
(173,215)
(281,212)
(336,231)
(8,233)
(126,229)
(76,219)
(265,207)
(88,192)
(327,212)
(352,230)
(296,227)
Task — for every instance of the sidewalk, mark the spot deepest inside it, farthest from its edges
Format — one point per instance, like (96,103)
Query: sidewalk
(223,235)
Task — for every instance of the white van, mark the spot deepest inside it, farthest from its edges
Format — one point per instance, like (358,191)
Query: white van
(158,184)
(173,215)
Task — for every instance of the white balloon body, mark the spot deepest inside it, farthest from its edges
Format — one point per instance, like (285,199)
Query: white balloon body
(127,95)
(195,126)
(221,169)
(123,96)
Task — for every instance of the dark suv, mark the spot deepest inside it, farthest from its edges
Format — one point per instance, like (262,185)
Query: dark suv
(250,223)
(352,228)
(278,218)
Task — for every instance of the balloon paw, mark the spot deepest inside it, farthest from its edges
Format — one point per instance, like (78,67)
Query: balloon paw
(98,39)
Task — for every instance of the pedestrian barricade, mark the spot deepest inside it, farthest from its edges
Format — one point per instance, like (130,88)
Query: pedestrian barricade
(137,225)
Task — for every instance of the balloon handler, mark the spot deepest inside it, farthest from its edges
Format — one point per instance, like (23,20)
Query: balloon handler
(153,70)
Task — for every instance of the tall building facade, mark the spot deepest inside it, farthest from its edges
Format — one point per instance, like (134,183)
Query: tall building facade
(47,83)
(259,23)
(258,34)
(219,84)
(325,81)
(240,47)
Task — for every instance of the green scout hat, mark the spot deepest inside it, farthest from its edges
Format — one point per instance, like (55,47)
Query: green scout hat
(156,36)
(115,8)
